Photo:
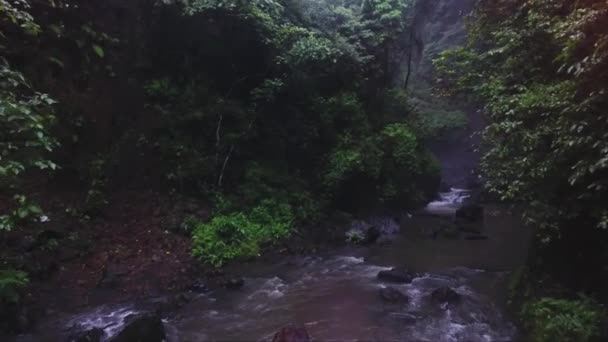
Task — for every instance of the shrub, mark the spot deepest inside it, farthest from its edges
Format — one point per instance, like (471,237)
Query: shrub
(263,182)
(352,158)
(355,237)
(26,118)
(275,219)
(551,319)
(239,235)
(11,283)
(389,166)
(224,238)
(25,211)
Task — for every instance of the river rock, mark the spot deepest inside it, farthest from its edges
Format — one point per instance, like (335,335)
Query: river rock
(392,295)
(445,295)
(86,335)
(468,227)
(28,243)
(199,287)
(292,334)
(234,283)
(396,275)
(475,237)
(471,212)
(166,305)
(372,235)
(362,232)
(144,327)
(386,225)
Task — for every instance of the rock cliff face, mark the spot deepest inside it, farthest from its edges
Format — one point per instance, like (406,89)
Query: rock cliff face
(440,25)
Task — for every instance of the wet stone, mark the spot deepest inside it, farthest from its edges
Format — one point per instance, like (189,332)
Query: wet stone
(399,275)
(141,327)
(234,283)
(86,335)
(392,295)
(475,237)
(199,287)
(292,334)
(445,295)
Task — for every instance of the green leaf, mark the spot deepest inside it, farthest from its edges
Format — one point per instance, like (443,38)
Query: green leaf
(57,62)
(98,50)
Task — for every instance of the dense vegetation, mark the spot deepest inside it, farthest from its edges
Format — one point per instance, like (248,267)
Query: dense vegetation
(276,111)
(541,68)
(281,112)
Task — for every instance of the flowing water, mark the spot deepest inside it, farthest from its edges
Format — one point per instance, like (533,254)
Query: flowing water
(336,299)
(448,202)
(336,295)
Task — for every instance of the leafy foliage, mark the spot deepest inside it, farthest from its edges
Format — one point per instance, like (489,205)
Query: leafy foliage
(384,165)
(551,319)
(293,101)
(320,97)
(541,69)
(26,117)
(16,12)
(24,212)
(11,283)
(239,235)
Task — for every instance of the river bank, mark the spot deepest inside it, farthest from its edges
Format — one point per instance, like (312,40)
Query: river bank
(134,250)
(333,291)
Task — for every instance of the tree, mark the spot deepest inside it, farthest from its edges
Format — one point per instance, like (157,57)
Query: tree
(26,117)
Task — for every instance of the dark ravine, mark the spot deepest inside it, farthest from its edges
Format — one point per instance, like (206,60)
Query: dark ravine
(440,276)
(440,25)
(303,170)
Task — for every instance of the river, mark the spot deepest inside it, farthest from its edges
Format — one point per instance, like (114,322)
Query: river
(336,295)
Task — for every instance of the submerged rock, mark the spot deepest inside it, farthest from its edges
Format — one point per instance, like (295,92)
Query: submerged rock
(144,327)
(292,334)
(392,295)
(396,275)
(169,304)
(468,227)
(87,335)
(234,283)
(386,225)
(445,295)
(199,287)
(475,237)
